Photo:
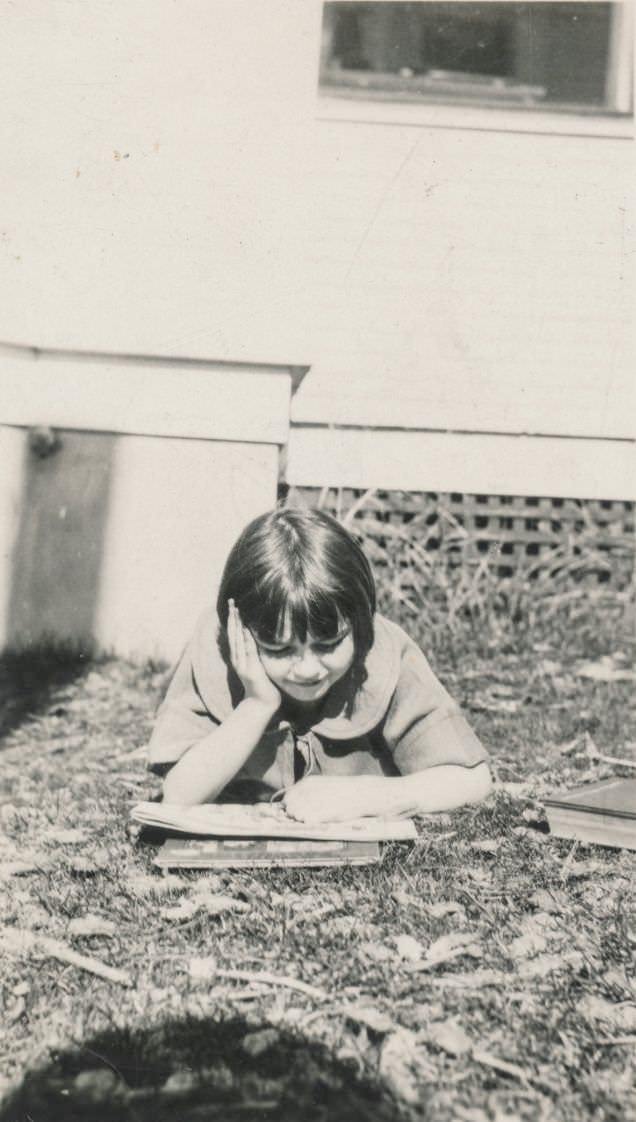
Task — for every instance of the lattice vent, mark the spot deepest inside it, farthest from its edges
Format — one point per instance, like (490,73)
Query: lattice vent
(513,532)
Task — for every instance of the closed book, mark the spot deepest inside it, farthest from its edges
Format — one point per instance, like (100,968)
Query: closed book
(603,813)
(260,853)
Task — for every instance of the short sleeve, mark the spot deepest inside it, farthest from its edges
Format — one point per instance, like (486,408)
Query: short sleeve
(423,726)
(197,699)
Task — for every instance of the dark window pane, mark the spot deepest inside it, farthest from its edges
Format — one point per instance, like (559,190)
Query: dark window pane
(553,54)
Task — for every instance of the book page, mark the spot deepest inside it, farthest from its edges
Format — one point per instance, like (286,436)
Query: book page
(265,820)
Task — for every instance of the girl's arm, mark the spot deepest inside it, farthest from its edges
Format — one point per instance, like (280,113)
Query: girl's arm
(323,798)
(208,766)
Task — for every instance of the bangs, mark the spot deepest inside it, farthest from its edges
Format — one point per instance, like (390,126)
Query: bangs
(296,613)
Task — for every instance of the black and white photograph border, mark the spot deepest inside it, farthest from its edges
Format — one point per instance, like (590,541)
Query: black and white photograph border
(369,265)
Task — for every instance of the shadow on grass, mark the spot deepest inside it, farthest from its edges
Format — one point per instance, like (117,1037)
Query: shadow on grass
(195,1070)
(29,678)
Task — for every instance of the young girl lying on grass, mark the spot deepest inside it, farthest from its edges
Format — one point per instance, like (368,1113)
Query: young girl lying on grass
(296,685)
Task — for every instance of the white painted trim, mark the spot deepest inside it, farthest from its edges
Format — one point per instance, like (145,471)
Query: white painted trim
(477,463)
(213,403)
(470,117)
(620,76)
(530,411)
(30,351)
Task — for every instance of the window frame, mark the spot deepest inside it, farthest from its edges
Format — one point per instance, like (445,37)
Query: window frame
(385,107)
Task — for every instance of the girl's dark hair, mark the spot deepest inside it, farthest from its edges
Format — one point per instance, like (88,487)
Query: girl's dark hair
(299,566)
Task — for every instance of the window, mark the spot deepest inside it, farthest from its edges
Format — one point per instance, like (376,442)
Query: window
(572,58)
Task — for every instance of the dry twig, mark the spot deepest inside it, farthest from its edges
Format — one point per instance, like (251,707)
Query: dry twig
(21,940)
(275,980)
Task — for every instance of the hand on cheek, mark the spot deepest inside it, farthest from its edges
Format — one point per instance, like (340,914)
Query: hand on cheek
(247,663)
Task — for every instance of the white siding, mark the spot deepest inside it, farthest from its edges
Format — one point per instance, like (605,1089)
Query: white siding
(475,463)
(169,189)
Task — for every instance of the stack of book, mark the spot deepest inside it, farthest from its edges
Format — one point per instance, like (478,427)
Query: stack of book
(261,835)
(603,813)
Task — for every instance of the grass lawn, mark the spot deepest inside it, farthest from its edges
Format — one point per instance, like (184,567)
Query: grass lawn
(529,1013)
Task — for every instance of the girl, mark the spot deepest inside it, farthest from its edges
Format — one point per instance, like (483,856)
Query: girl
(295,685)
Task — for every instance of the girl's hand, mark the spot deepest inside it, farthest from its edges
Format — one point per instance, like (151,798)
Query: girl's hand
(326,798)
(247,663)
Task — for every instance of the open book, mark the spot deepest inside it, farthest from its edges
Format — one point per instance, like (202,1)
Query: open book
(265,820)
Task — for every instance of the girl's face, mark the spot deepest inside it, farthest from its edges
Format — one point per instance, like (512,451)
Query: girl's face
(307,671)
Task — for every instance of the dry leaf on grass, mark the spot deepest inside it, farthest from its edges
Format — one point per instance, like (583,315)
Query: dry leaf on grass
(448,947)
(590,868)
(89,866)
(146,885)
(180,1083)
(66,837)
(304,906)
(31,916)
(519,790)
(620,1016)
(371,1018)
(403,898)
(482,878)
(96,1086)
(553,901)
(482,1056)
(341,925)
(23,867)
(207,885)
(377,952)
(449,1036)
(536,931)
(475,979)
(255,1044)
(526,946)
(408,948)
(488,845)
(184,910)
(496,705)
(568,746)
(159,994)
(15,1011)
(476,1114)
(544,964)
(202,969)
(548,666)
(216,903)
(532,833)
(90,925)
(617,978)
(218,1075)
(607,669)
(399,1061)
(8,813)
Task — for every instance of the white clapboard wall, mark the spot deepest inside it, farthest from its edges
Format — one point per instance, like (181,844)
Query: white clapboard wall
(473,463)
(459,285)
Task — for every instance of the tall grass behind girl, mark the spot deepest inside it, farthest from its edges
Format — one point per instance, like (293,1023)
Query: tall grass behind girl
(296,684)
